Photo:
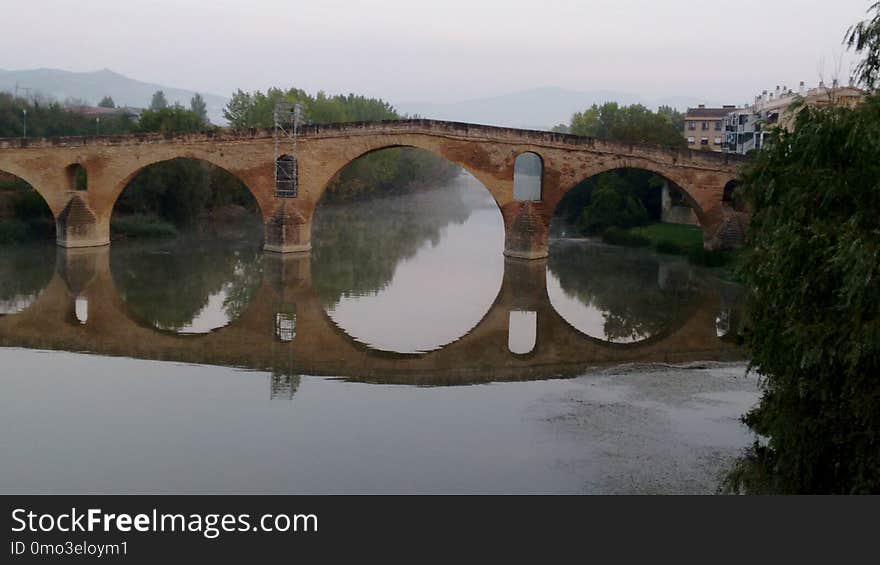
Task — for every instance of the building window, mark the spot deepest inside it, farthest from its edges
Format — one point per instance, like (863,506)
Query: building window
(691,140)
(717,141)
(705,126)
(692,126)
(704,141)
(717,126)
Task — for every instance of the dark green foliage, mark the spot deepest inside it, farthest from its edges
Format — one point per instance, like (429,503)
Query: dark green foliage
(611,205)
(142,226)
(46,118)
(159,102)
(13,231)
(669,247)
(813,267)
(629,124)
(711,258)
(619,236)
(199,108)
(170,119)
(106,102)
(182,191)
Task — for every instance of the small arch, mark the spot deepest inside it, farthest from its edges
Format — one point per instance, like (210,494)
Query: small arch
(732,196)
(77,178)
(522,331)
(528,174)
(286,169)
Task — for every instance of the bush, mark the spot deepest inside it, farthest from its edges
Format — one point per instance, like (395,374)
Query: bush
(669,248)
(611,208)
(618,236)
(710,258)
(142,226)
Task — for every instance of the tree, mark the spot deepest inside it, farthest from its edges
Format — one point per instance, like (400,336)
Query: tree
(864,37)
(813,272)
(106,102)
(198,107)
(159,101)
(171,119)
(627,124)
(612,205)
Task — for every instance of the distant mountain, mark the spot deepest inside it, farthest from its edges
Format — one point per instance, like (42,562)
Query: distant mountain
(92,86)
(538,108)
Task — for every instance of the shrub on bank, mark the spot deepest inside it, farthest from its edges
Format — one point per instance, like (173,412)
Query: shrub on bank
(710,258)
(143,226)
(618,236)
(669,248)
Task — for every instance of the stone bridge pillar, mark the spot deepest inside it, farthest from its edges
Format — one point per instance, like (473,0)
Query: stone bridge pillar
(78,226)
(526,229)
(289,229)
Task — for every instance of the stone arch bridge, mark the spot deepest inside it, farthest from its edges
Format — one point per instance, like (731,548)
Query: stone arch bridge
(488,153)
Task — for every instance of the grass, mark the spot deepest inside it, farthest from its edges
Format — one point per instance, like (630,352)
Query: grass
(672,239)
(142,226)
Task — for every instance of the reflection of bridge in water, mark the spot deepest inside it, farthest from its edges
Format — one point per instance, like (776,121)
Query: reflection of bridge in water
(286,330)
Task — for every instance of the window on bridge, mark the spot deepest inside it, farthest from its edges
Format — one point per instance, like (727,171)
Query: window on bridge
(522,332)
(528,170)
(286,177)
(77,179)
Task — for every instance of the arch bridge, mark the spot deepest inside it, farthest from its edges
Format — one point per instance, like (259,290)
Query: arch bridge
(55,167)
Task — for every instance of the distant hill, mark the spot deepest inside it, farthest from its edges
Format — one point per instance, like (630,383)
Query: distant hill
(538,108)
(92,86)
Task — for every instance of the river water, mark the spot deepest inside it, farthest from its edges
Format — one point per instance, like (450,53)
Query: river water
(404,354)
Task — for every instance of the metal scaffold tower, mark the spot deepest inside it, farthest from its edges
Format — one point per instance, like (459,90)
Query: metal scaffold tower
(288,116)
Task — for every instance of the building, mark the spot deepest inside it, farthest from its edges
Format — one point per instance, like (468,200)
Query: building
(704,127)
(746,128)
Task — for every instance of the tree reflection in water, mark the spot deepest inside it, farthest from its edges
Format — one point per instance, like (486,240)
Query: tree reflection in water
(188,284)
(617,294)
(25,270)
(356,246)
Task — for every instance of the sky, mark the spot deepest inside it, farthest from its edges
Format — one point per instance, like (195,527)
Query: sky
(442,50)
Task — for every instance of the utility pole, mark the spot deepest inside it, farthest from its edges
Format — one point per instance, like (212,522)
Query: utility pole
(24,121)
(97,125)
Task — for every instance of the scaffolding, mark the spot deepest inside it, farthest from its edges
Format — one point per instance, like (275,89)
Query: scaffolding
(288,116)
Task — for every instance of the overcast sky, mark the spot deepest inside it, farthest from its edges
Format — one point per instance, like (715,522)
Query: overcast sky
(442,50)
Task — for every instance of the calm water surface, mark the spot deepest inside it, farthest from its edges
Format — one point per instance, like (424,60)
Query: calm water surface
(405,354)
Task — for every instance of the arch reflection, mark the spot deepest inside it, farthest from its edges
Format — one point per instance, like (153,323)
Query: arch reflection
(390,272)
(188,287)
(618,295)
(25,271)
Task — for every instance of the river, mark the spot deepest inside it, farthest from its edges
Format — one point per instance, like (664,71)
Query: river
(404,354)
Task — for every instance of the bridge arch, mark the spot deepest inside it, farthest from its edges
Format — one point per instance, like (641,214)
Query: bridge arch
(214,173)
(213,158)
(431,144)
(678,181)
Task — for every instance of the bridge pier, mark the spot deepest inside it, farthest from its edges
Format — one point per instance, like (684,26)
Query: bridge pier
(288,230)
(78,226)
(526,229)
